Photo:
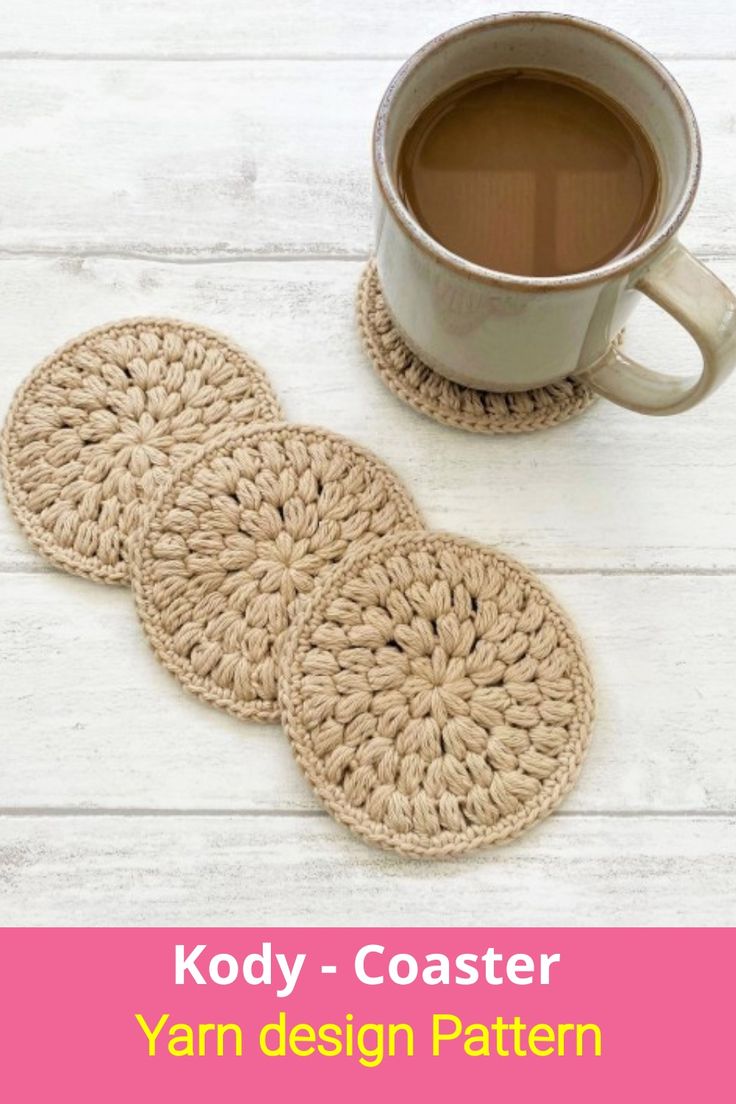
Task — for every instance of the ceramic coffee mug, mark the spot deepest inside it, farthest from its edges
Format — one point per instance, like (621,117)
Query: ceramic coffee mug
(501,332)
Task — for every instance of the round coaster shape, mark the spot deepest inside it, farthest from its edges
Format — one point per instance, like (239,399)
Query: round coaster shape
(452,403)
(97,426)
(230,549)
(436,696)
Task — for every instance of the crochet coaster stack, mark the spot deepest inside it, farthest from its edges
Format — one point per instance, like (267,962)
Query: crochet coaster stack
(433,691)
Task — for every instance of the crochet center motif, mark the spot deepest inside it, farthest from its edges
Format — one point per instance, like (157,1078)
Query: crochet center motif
(102,423)
(437,694)
(241,538)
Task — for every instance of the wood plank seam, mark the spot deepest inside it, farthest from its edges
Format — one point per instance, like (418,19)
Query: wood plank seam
(20,811)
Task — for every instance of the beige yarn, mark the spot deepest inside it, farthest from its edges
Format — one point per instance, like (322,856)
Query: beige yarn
(436,696)
(232,546)
(94,430)
(451,403)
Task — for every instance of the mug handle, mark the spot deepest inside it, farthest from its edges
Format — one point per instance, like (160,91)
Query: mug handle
(693,295)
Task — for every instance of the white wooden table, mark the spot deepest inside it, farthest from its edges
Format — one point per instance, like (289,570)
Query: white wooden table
(211,161)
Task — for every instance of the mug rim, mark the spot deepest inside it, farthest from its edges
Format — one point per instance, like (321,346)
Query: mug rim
(617,267)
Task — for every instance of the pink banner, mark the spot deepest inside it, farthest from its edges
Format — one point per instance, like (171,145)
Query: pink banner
(119,1015)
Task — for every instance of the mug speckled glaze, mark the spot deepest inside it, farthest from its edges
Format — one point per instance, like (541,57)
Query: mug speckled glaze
(502,332)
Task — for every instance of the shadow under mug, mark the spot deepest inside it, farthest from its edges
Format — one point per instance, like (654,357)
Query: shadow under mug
(501,332)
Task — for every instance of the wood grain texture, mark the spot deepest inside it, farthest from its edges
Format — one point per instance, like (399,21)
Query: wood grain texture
(324,28)
(193,160)
(608,491)
(308,870)
(127,736)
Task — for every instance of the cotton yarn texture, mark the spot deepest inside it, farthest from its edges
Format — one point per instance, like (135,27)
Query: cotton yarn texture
(432,690)
(238,539)
(452,403)
(94,430)
(436,696)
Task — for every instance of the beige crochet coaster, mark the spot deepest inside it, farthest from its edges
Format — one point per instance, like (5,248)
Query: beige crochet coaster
(94,430)
(452,403)
(436,696)
(239,538)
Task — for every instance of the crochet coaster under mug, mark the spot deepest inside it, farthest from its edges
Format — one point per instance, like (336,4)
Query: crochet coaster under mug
(452,403)
(94,430)
(239,537)
(436,696)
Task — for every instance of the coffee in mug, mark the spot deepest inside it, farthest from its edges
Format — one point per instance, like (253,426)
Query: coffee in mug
(530,172)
